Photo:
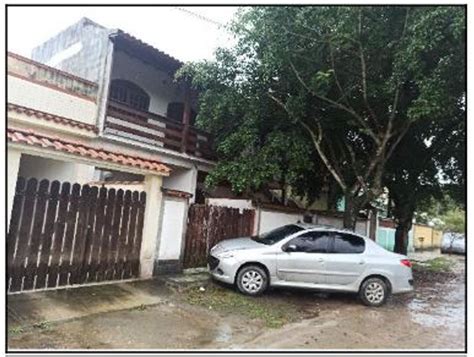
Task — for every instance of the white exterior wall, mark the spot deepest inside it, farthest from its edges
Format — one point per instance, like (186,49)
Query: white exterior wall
(228,202)
(151,225)
(182,180)
(159,85)
(43,168)
(361,226)
(53,101)
(274,219)
(330,221)
(13,165)
(172,230)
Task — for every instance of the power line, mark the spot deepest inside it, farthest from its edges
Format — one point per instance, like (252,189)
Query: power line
(199,16)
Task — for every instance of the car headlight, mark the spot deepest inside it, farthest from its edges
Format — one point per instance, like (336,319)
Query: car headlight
(226,255)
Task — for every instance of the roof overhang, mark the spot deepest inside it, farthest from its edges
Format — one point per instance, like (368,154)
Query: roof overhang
(40,144)
(145,52)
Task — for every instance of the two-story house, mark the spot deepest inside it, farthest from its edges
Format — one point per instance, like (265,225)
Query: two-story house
(97,107)
(139,104)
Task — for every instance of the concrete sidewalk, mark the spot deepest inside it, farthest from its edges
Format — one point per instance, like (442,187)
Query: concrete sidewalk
(28,309)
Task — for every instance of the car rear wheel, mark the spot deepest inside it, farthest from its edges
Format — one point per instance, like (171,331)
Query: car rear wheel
(252,280)
(374,292)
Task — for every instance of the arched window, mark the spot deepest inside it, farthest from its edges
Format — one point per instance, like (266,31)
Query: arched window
(130,94)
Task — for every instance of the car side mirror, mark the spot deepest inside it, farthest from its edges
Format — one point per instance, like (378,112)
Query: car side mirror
(290,248)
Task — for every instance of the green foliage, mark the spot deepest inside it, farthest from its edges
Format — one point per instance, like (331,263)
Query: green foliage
(317,91)
(445,213)
(16,330)
(255,142)
(436,265)
(454,221)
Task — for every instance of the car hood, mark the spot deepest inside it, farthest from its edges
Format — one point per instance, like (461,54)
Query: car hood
(235,244)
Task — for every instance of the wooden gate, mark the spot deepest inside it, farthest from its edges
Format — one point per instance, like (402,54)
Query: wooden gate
(207,225)
(62,234)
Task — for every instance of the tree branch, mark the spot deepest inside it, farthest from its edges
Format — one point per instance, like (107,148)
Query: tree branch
(397,90)
(337,105)
(363,66)
(354,165)
(338,84)
(317,143)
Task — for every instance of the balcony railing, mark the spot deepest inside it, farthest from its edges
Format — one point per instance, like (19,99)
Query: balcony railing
(156,130)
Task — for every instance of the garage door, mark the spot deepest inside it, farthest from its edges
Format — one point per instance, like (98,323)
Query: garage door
(64,234)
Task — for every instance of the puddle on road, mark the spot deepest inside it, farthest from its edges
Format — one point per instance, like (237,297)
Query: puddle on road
(435,310)
(223,333)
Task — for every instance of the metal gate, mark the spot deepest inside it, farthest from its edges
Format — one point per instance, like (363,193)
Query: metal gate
(207,225)
(66,234)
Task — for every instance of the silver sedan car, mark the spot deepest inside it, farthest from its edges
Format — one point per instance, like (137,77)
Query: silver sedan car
(316,257)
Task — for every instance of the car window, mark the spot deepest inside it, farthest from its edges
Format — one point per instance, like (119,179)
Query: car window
(311,242)
(347,244)
(277,234)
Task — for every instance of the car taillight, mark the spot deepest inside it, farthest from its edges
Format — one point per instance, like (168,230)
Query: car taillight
(406,263)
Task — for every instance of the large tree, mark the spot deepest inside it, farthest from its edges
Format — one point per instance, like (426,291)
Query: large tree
(432,154)
(354,79)
(256,144)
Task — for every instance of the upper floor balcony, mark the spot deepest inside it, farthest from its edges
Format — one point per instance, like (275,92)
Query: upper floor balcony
(156,130)
(134,82)
(146,105)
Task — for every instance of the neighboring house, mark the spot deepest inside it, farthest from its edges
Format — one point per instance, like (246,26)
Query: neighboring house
(420,237)
(98,107)
(426,237)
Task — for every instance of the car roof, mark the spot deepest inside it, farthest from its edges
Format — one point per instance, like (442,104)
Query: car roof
(314,227)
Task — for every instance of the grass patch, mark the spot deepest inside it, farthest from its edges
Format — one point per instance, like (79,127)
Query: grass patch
(43,325)
(436,265)
(274,312)
(141,307)
(15,330)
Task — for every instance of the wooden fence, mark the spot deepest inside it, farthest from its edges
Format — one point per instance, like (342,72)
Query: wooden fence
(207,225)
(62,234)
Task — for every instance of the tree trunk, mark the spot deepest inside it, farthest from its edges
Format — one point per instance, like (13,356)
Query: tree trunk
(401,239)
(403,214)
(351,210)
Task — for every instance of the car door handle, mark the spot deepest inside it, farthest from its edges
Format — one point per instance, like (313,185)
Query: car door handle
(320,260)
(361,262)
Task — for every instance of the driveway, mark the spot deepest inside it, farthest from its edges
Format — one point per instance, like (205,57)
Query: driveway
(156,315)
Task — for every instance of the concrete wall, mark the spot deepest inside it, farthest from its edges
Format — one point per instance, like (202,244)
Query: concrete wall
(36,96)
(268,219)
(273,219)
(361,225)
(42,168)
(426,237)
(173,228)
(157,84)
(228,202)
(182,180)
(386,238)
(81,49)
(13,166)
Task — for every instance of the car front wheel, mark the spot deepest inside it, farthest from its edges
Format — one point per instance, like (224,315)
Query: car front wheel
(252,280)
(374,292)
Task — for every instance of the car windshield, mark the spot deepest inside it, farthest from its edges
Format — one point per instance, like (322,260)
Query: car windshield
(277,234)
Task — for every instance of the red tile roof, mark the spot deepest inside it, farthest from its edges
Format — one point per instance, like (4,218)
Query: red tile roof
(51,117)
(32,138)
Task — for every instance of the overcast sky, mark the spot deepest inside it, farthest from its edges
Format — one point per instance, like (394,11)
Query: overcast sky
(187,33)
